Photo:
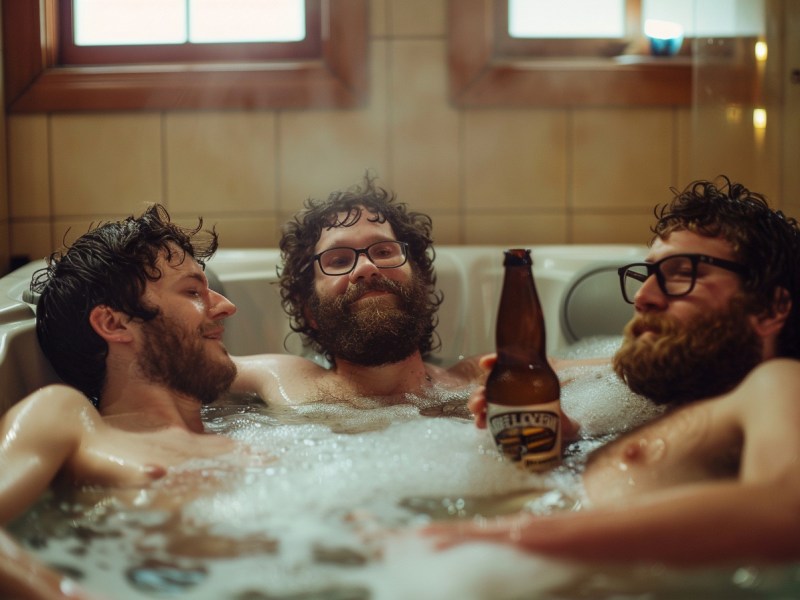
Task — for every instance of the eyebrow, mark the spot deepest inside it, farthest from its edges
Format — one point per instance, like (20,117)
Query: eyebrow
(199,277)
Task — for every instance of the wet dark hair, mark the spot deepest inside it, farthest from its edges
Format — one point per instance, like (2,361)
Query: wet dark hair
(765,241)
(301,234)
(109,265)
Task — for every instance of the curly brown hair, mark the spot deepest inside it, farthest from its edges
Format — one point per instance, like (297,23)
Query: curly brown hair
(344,209)
(765,241)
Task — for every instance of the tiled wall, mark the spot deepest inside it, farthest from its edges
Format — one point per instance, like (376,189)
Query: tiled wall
(486,176)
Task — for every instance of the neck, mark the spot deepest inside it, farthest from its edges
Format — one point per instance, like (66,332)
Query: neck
(138,406)
(408,376)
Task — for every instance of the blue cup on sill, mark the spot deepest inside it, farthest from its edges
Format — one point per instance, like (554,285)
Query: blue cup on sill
(666,37)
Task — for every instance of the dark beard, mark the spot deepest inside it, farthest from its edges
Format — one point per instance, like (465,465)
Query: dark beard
(179,362)
(682,363)
(375,333)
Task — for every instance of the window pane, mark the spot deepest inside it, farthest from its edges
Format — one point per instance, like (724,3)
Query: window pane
(120,22)
(138,22)
(566,18)
(709,18)
(247,21)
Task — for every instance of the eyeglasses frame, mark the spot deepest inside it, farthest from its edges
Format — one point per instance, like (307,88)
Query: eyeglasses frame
(359,252)
(655,268)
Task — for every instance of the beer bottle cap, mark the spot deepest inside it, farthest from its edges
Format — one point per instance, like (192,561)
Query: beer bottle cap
(517,257)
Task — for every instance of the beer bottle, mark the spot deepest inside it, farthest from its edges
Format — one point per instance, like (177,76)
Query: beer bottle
(522,390)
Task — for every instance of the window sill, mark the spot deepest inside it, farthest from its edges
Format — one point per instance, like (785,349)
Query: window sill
(576,82)
(482,75)
(34,83)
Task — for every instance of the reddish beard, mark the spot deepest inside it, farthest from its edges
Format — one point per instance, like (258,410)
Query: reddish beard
(680,362)
(376,331)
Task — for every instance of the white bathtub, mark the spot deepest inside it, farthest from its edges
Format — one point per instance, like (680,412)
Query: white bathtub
(577,285)
(350,489)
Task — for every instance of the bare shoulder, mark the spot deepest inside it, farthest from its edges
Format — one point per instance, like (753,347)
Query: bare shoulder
(54,403)
(56,417)
(278,378)
(775,381)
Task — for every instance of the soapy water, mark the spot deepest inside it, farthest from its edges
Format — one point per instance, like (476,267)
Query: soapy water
(332,507)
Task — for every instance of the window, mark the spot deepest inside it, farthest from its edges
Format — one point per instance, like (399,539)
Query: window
(326,69)
(490,67)
(95,32)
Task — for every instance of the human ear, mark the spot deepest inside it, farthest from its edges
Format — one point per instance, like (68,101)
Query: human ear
(110,324)
(771,321)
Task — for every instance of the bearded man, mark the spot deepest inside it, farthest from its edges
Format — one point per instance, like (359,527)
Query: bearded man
(716,295)
(125,316)
(359,285)
(714,481)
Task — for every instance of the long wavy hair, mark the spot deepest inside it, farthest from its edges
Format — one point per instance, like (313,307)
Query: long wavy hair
(344,209)
(764,240)
(109,265)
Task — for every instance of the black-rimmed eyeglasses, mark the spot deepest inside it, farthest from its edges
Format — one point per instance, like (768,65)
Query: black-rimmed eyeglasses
(342,260)
(676,274)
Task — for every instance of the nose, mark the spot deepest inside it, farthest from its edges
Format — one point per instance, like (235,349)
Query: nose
(364,268)
(650,297)
(219,306)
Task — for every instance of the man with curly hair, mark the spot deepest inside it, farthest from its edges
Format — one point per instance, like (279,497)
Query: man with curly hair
(358,283)
(127,319)
(714,336)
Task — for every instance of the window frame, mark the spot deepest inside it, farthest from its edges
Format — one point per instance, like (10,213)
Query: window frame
(505,45)
(70,54)
(36,82)
(483,72)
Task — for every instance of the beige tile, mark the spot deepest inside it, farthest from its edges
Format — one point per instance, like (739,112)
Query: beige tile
(105,164)
(418,17)
(220,159)
(378,18)
(508,229)
(245,232)
(424,127)
(447,228)
(32,239)
(323,151)
(515,159)
(612,228)
(623,158)
(28,166)
(719,140)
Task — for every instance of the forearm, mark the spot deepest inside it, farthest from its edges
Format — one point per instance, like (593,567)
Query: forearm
(709,524)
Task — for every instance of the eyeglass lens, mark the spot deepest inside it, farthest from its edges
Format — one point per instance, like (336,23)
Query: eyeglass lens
(675,275)
(384,255)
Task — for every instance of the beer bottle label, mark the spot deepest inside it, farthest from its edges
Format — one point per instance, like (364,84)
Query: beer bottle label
(527,434)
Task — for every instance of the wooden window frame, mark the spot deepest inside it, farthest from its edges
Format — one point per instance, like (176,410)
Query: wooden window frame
(482,74)
(36,82)
(70,54)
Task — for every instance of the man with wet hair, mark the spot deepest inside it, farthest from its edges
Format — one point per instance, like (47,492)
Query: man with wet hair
(126,316)
(714,337)
(358,283)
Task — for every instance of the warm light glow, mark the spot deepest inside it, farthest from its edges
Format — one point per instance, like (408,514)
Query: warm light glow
(761,51)
(760,118)
(733,114)
(662,30)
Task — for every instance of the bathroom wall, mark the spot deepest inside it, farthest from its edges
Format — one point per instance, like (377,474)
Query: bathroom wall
(487,176)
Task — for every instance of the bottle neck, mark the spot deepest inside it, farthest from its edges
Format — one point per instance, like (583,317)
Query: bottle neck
(520,334)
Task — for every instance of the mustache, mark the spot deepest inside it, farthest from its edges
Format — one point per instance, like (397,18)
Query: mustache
(655,323)
(357,290)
